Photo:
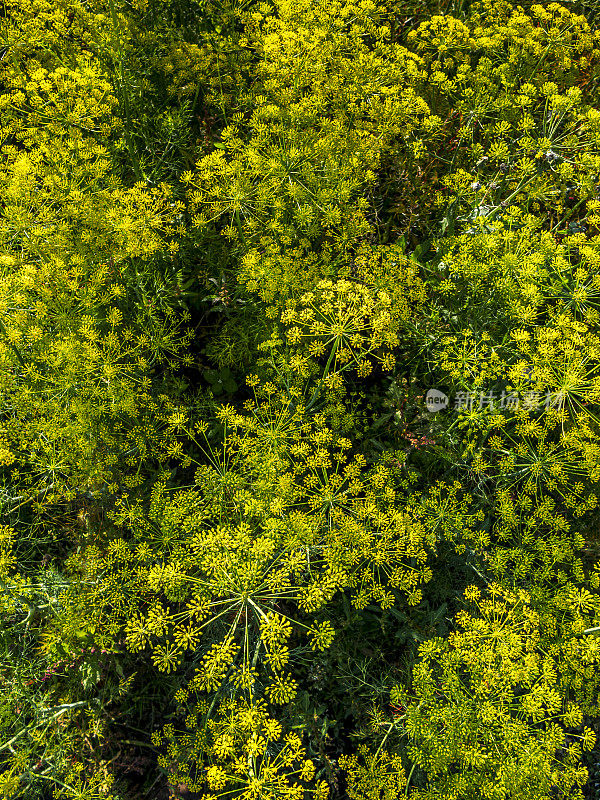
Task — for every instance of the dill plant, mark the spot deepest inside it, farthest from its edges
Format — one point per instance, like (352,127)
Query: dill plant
(311,587)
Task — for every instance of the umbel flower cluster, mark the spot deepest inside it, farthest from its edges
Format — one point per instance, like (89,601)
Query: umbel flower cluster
(240,556)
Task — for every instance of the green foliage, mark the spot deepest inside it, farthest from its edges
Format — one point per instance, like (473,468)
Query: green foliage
(239,242)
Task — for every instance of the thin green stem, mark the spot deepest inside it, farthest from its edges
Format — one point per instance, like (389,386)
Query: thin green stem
(139,173)
(317,392)
(410,774)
